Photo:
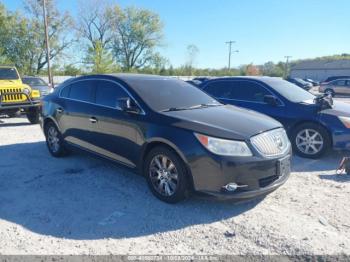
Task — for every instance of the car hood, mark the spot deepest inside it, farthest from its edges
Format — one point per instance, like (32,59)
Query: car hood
(338,109)
(227,121)
(11,84)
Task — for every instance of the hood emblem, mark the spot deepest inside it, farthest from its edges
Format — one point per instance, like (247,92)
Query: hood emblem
(278,140)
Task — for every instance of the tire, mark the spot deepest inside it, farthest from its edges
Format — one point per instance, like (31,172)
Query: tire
(330,91)
(58,149)
(33,116)
(310,140)
(173,174)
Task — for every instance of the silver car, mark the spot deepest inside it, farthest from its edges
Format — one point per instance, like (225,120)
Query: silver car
(38,84)
(340,86)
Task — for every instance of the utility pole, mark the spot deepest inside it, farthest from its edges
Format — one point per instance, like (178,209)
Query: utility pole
(47,46)
(287,65)
(230,52)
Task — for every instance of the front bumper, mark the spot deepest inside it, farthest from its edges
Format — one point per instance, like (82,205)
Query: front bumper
(29,103)
(255,176)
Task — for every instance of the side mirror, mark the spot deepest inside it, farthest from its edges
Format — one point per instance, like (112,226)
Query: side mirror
(271,100)
(127,105)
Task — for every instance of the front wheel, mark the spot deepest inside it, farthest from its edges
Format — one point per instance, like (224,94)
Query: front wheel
(166,175)
(54,140)
(329,92)
(310,140)
(33,116)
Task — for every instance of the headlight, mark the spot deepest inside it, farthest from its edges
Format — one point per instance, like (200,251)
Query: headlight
(224,147)
(345,120)
(26,91)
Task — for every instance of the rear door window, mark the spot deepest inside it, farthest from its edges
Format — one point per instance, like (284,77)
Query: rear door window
(82,90)
(237,90)
(108,93)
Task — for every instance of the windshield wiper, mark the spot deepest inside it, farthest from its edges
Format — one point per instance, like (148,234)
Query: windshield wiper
(190,107)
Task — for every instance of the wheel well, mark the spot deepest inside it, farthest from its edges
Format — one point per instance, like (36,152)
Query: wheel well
(315,123)
(152,145)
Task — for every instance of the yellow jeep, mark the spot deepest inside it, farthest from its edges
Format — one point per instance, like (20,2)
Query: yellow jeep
(16,97)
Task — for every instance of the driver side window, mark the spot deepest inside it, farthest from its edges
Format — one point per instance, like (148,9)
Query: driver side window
(108,93)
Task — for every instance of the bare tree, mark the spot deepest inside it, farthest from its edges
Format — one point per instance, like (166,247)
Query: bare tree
(94,23)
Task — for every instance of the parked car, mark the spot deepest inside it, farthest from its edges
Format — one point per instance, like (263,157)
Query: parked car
(37,83)
(17,97)
(336,87)
(301,83)
(313,82)
(332,78)
(176,135)
(313,124)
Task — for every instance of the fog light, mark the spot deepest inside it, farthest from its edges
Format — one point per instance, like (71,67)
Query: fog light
(233,186)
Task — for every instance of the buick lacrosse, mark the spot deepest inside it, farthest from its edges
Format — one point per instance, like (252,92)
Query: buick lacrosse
(181,139)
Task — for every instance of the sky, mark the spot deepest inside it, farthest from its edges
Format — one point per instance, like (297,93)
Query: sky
(264,30)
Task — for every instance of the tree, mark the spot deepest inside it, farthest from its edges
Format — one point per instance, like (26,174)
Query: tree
(94,23)
(252,70)
(58,26)
(191,53)
(100,59)
(136,34)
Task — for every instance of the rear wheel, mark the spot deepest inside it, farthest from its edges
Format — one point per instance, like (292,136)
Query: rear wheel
(310,140)
(54,140)
(166,175)
(329,92)
(33,115)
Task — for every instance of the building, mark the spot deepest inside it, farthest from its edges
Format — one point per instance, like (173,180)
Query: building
(319,70)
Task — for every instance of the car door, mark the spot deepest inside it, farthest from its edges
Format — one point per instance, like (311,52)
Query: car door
(247,94)
(73,114)
(115,130)
(347,87)
(340,86)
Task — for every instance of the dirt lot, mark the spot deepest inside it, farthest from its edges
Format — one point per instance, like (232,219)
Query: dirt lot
(80,205)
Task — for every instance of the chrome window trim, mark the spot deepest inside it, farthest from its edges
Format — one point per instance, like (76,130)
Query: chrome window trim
(246,80)
(110,107)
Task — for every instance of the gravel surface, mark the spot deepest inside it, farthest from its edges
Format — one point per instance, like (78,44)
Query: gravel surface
(82,205)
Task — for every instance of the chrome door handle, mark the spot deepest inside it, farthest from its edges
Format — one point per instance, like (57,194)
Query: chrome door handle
(93,120)
(59,110)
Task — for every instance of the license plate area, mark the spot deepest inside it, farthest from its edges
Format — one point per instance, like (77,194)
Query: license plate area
(283,166)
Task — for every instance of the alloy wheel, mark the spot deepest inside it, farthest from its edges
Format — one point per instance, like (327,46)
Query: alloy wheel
(53,139)
(163,175)
(309,141)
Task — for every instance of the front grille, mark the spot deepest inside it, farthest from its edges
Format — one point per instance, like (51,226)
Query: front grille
(10,98)
(271,143)
(264,182)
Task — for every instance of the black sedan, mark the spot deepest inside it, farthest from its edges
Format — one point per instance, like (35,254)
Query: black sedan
(177,136)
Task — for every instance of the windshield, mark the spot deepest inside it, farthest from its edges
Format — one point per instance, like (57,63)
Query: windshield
(288,90)
(164,93)
(34,81)
(8,74)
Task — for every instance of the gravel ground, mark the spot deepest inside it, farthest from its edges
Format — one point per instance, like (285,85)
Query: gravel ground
(82,205)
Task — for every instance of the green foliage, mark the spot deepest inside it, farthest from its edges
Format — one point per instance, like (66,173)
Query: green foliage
(100,59)
(136,34)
